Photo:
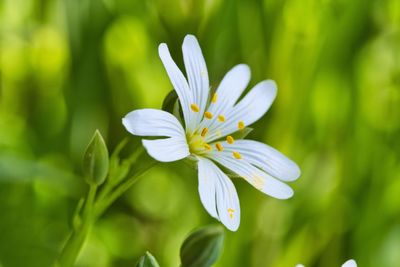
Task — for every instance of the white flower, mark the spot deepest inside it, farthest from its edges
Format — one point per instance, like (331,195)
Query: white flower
(349,263)
(206,136)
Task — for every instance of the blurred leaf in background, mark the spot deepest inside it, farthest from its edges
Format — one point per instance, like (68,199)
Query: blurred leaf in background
(68,67)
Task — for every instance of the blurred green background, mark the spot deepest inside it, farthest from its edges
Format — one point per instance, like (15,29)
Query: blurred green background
(69,67)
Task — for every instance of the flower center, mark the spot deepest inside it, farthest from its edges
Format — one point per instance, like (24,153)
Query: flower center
(197,145)
(197,139)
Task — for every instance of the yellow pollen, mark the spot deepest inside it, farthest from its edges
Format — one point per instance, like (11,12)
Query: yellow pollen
(214,98)
(231,211)
(230,139)
(208,147)
(237,155)
(208,115)
(204,132)
(240,125)
(195,107)
(221,118)
(219,146)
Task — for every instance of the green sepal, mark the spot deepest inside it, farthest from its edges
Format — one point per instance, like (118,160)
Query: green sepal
(169,101)
(118,170)
(171,105)
(202,247)
(241,134)
(147,260)
(95,160)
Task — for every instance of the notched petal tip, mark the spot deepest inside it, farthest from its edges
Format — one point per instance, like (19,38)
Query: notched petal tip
(296,172)
(190,38)
(243,68)
(285,195)
(271,87)
(162,49)
(350,263)
(233,227)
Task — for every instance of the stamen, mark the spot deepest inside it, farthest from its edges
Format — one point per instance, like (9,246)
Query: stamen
(241,125)
(219,146)
(230,139)
(208,147)
(208,115)
(204,132)
(237,155)
(231,211)
(195,107)
(214,98)
(221,118)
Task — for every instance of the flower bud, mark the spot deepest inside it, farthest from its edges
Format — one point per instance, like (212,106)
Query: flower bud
(202,247)
(147,260)
(95,160)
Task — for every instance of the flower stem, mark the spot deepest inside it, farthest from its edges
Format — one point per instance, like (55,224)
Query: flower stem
(95,207)
(78,236)
(104,203)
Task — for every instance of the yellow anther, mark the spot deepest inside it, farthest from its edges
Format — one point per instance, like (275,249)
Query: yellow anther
(231,211)
(241,125)
(214,98)
(204,132)
(221,118)
(230,139)
(219,146)
(195,107)
(237,155)
(208,115)
(208,147)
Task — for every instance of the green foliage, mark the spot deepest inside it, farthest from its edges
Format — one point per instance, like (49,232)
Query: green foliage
(70,67)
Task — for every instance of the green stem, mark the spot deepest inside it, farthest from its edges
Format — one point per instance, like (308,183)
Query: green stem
(92,209)
(78,236)
(104,203)
(111,182)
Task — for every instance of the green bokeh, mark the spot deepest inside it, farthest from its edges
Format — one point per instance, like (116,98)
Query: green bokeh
(69,67)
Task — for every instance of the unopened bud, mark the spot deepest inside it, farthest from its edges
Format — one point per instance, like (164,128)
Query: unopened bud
(95,160)
(202,247)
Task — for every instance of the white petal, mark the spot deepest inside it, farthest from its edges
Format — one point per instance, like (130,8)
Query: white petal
(266,158)
(167,150)
(252,107)
(256,177)
(178,81)
(221,201)
(207,183)
(153,122)
(300,265)
(350,263)
(196,70)
(228,92)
